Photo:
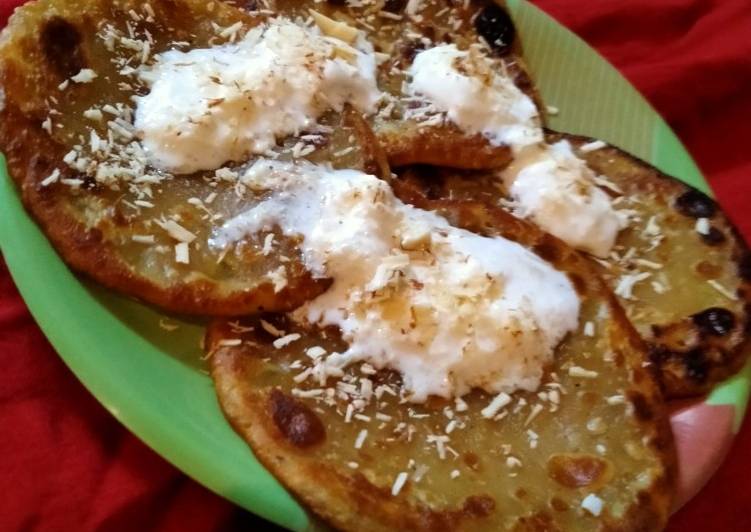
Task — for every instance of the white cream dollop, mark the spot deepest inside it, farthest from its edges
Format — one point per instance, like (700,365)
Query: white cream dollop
(466,86)
(550,184)
(449,309)
(556,190)
(208,106)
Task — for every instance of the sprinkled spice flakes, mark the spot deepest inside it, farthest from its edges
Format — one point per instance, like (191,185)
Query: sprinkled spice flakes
(109,154)
(360,397)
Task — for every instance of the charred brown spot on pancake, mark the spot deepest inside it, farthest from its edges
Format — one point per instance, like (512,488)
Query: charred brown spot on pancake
(474,507)
(559,505)
(61,43)
(696,365)
(714,237)
(430,520)
(695,204)
(642,409)
(715,321)
(708,270)
(539,522)
(298,423)
(619,358)
(574,470)
(589,398)
(478,506)
(472,461)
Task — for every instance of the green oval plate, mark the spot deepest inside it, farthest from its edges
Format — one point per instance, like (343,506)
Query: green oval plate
(154,381)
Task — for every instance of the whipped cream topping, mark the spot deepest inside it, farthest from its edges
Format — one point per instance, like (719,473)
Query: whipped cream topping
(556,190)
(466,86)
(550,184)
(208,106)
(449,309)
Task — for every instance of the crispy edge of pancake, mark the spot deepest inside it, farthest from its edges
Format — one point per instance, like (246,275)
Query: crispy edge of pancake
(446,145)
(31,155)
(701,350)
(351,502)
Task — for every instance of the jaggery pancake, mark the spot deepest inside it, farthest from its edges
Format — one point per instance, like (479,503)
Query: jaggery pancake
(128,146)
(450,378)
(679,268)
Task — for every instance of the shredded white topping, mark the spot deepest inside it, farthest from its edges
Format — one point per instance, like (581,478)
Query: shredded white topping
(86,75)
(230,342)
(592,504)
(176,231)
(182,253)
(286,340)
(722,290)
(498,402)
(399,482)
(576,371)
(592,146)
(361,438)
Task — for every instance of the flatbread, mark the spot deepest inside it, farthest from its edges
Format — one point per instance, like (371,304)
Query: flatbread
(113,233)
(596,434)
(691,300)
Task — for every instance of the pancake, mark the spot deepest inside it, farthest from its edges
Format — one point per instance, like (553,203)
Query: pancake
(591,450)
(120,232)
(687,292)
(695,308)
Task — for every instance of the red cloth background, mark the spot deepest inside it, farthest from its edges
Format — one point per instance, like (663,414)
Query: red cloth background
(66,464)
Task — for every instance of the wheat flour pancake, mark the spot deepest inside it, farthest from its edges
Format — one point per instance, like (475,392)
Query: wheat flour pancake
(680,269)
(123,234)
(595,433)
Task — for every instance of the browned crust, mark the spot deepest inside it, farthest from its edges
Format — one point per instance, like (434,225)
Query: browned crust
(351,503)
(374,158)
(405,143)
(690,361)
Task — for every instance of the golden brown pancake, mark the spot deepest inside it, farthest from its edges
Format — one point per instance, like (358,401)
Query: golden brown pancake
(691,300)
(115,231)
(595,432)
